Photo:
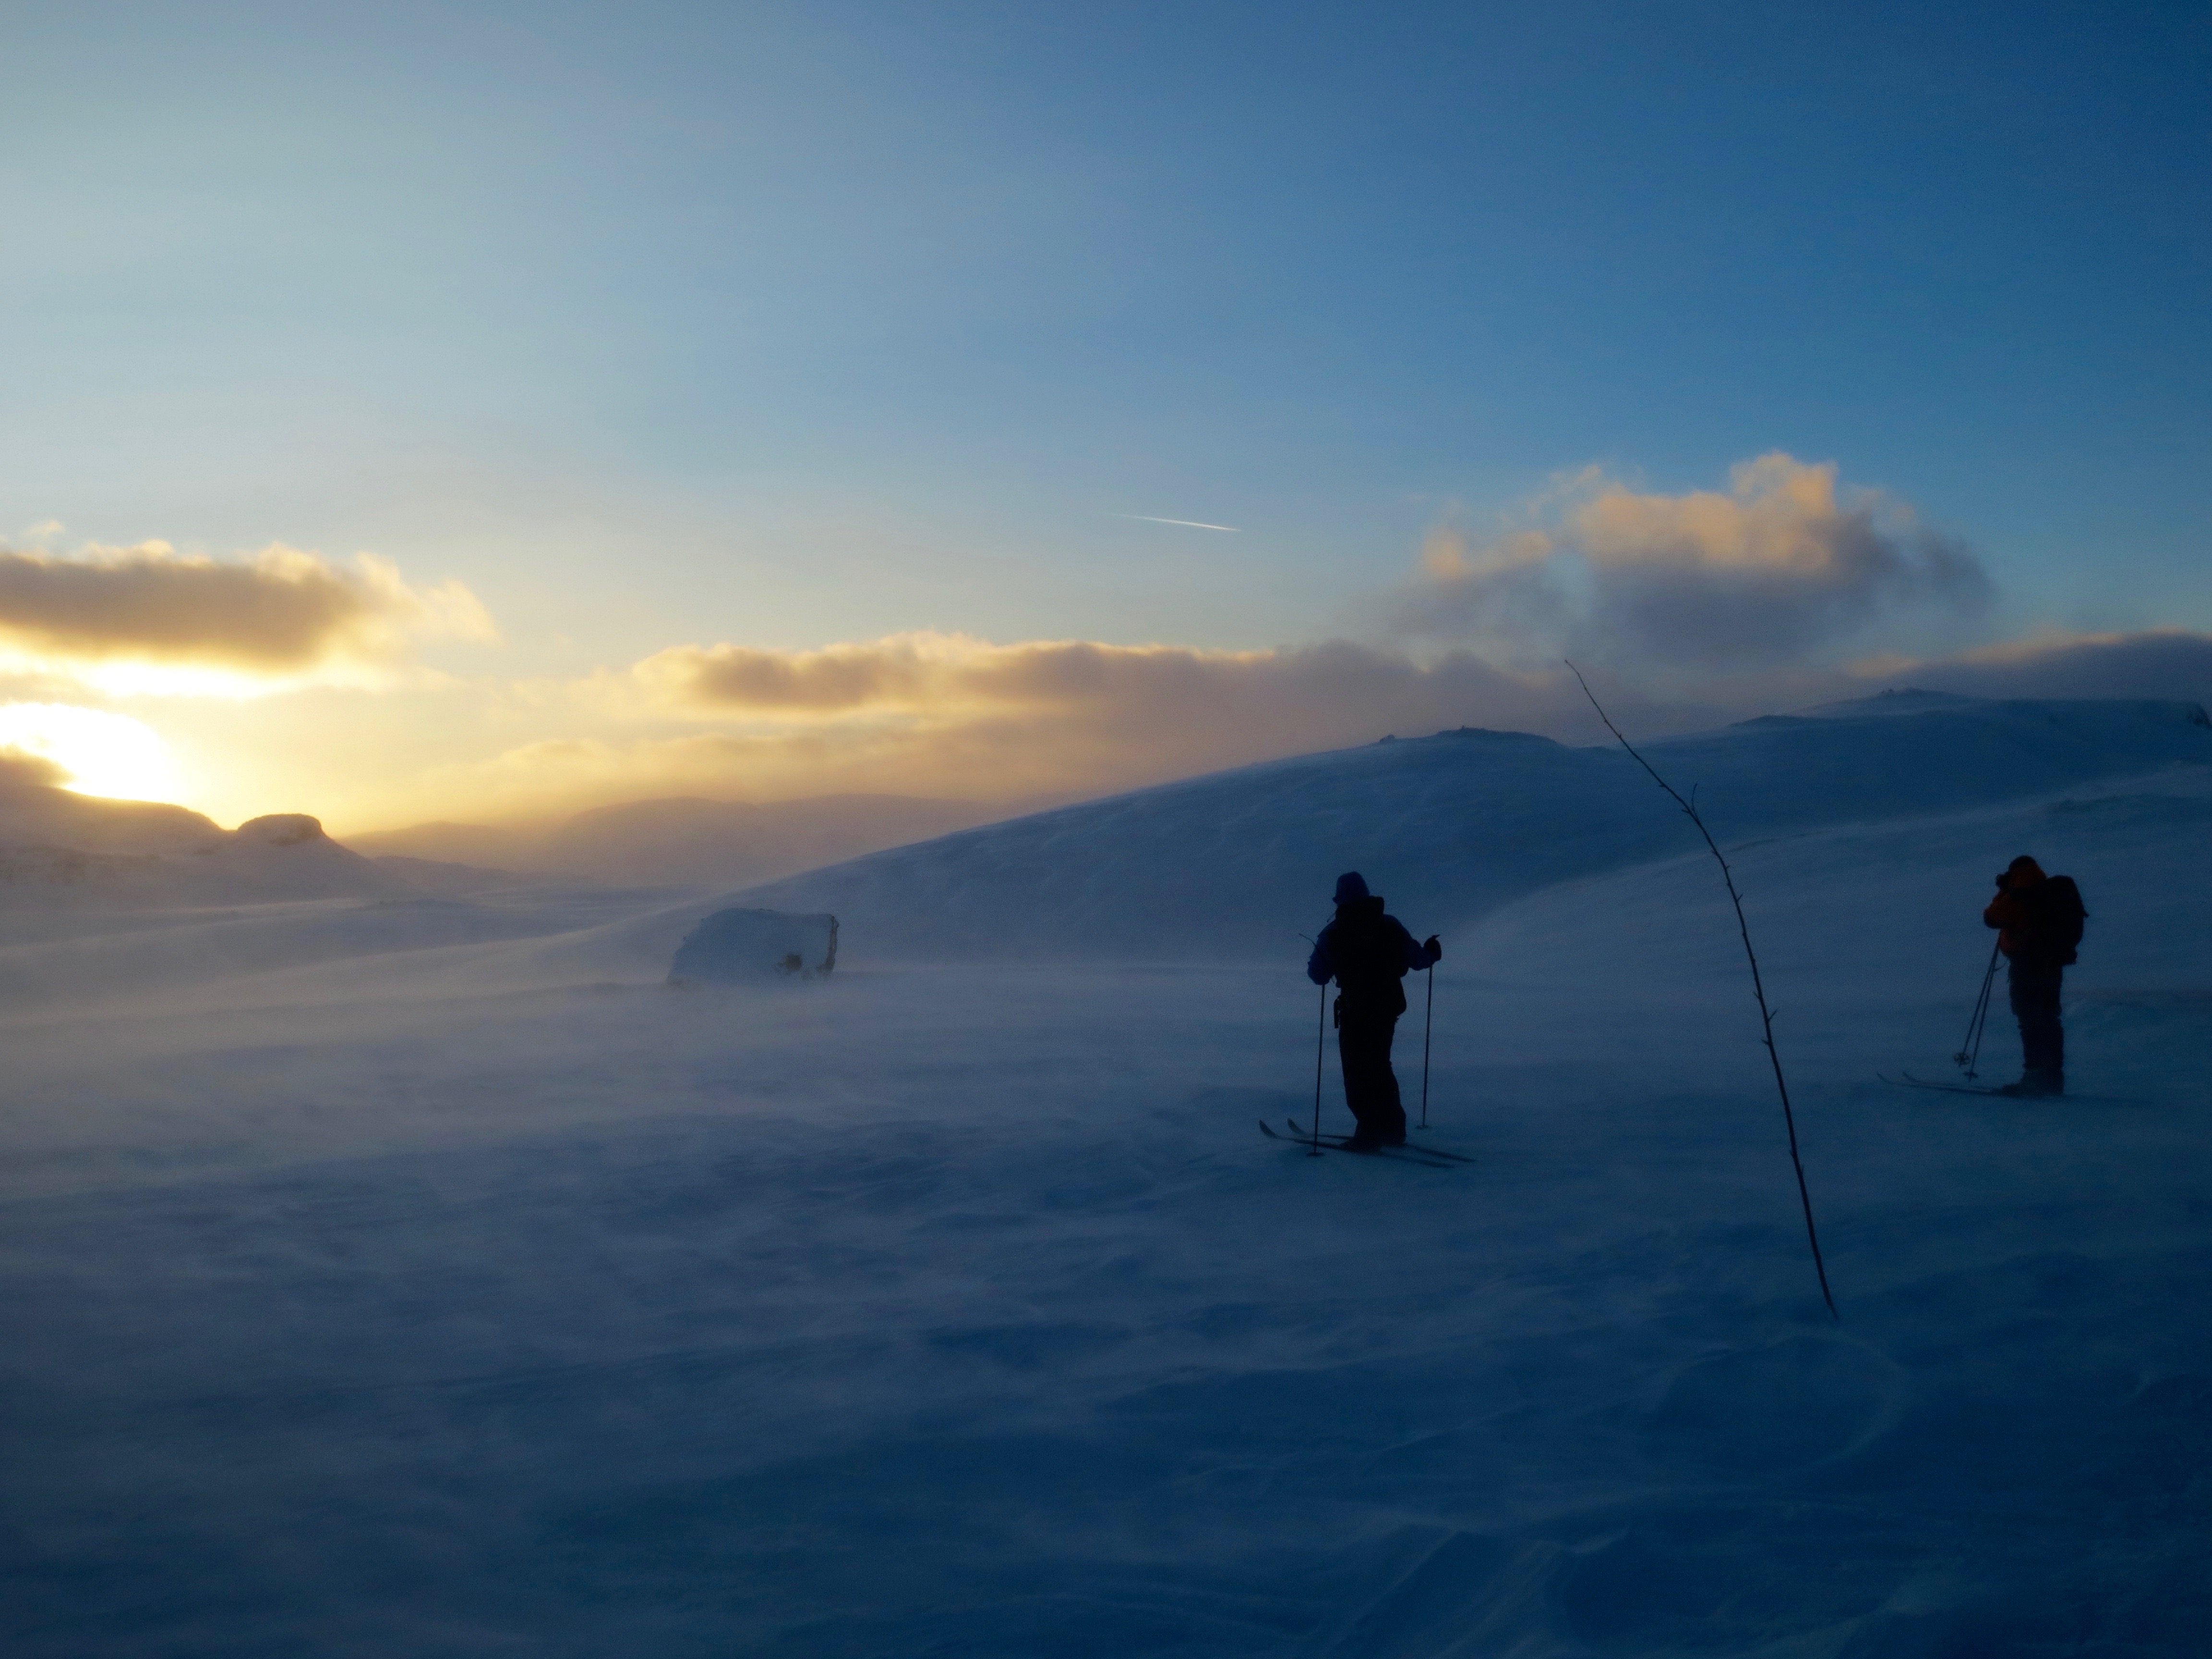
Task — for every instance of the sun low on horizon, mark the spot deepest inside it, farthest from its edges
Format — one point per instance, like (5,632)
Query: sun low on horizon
(97,753)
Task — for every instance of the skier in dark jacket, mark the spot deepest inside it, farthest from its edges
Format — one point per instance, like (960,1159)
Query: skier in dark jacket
(2040,918)
(1368,953)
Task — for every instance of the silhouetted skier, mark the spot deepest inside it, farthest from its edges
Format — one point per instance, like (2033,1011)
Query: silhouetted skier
(1368,953)
(2041,919)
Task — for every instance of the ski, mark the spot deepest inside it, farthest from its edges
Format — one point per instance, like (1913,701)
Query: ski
(1335,1144)
(1906,1081)
(1421,1147)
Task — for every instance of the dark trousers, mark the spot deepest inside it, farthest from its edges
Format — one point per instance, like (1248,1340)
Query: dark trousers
(1371,1087)
(2035,1005)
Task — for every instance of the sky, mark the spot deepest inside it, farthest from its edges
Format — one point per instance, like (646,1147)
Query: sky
(477,412)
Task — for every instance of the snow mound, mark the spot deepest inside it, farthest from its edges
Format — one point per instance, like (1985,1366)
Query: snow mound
(1451,826)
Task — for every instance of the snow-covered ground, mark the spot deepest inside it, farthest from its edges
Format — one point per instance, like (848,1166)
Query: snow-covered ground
(405,1276)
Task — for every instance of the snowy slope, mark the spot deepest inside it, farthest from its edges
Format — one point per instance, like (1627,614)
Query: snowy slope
(1447,827)
(466,1292)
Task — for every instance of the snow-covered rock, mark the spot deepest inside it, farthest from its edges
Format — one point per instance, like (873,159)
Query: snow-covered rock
(732,947)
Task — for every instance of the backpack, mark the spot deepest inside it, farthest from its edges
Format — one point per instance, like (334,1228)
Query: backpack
(2054,919)
(1366,951)
(2056,904)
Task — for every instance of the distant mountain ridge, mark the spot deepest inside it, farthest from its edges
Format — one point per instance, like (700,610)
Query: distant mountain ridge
(61,849)
(58,847)
(1450,826)
(688,841)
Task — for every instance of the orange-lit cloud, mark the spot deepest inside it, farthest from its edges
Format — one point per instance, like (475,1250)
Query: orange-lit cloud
(282,614)
(937,674)
(952,715)
(1778,569)
(1165,696)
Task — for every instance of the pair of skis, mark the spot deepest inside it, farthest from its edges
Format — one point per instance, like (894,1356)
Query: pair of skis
(1906,1081)
(1434,1156)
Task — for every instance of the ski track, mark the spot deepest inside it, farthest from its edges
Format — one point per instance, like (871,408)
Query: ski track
(486,1298)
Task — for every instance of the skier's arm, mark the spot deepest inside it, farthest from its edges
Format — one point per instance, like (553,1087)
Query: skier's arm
(2005,910)
(1320,967)
(1417,957)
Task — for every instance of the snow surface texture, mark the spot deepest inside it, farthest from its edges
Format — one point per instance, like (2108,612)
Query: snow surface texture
(423,1279)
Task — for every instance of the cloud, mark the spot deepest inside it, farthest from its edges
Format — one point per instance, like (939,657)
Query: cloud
(1779,568)
(952,716)
(2165,663)
(280,613)
(1166,694)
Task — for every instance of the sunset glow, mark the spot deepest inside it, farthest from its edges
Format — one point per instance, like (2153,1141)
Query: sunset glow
(102,754)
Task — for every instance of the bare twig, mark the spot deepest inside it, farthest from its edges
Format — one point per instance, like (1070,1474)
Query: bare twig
(1758,987)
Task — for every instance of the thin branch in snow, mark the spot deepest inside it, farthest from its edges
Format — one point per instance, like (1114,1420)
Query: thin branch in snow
(1758,987)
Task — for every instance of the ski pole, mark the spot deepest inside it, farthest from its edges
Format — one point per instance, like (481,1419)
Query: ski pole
(1428,1024)
(1981,1030)
(1970,1047)
(1320,1042)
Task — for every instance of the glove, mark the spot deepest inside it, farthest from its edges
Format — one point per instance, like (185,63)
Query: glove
(2003,877)
(1434,947)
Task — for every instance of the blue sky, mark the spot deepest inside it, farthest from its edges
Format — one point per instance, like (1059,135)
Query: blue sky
(782,326)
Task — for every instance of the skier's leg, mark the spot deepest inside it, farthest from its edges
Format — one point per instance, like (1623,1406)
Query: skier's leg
(2057,1032)
(1388,1112)
(1370,1088)
(1352,1055)
(2033,991)
(2046,1054)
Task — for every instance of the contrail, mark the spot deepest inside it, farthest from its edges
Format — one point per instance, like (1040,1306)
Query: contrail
(1189,523)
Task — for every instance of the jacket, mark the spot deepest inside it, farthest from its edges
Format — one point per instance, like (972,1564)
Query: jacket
(1368,953)
(2038,917)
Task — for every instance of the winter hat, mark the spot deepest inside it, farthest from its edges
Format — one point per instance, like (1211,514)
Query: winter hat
(2023,872)
(1349,886)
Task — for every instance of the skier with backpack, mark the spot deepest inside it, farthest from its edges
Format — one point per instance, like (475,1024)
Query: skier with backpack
(1369,953)
(2039,922)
